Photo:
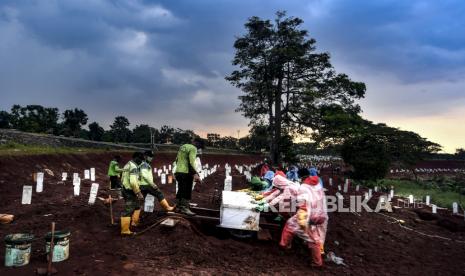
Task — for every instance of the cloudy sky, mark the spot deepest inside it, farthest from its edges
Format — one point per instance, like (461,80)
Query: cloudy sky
(164,62)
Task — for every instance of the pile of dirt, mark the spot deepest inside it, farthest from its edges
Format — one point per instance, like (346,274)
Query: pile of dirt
(370,243)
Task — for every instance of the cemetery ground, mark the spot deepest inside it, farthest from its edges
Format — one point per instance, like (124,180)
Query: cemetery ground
(369,243)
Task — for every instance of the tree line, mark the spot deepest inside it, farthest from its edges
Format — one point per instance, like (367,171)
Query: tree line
(73,122)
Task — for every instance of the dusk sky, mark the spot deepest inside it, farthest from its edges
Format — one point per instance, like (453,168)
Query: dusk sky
(164,62)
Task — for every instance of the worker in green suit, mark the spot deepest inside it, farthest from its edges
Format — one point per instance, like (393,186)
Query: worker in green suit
(186,174)
(148,186)
(131,192)
(114,172)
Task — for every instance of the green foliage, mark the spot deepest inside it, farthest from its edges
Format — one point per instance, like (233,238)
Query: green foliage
(183,136)
(285,82)
(34,118)
(368,156)
(443,197)
(460,154)
(12,148)
(166,134)
(96,132)
(142,133)
(5,119)
(73,120)
(120,131)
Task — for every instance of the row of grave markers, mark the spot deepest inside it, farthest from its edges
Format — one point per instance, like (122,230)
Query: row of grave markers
(243,169)
(39,177)
(411,199)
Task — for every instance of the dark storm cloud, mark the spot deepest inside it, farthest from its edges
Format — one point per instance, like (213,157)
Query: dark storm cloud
(165,61)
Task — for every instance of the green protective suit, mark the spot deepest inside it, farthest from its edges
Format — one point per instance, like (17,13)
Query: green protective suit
(146,176)
(257,184)
(186,158)
(114,169)
(130,177)
(146,183)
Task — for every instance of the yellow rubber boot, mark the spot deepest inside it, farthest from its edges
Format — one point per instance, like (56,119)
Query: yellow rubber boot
(135,218)
(165,205)
(322,249)
(125,222)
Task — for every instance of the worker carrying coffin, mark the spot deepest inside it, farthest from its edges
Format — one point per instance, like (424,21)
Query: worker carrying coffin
(311,220)
(186,173)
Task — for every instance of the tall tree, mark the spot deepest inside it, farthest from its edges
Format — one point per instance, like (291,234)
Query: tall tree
(166,134)
(4,119)
(119,130)
(96,132)
(285,83)
(73,120)
(142,133)
(34,118)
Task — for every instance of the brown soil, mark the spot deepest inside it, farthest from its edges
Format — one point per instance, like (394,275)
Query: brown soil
(370,243)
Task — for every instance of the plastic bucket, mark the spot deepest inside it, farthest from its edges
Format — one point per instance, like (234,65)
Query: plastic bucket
(18,249)
(60,247)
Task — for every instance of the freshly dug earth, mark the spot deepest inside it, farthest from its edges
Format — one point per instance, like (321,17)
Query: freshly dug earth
(370,243)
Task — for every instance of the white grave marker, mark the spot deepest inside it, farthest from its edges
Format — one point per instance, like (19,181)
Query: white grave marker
(346,186)
(330,181)
(338,187)
(86,174)
(376,189)
(92,174)
(76,186)
(357,188)
(410,199)
(391,193)
(27,195)
(149,203)
(169,167)
(75,176)
(370,193)
(455,208)
(64,176)
(93,193)
(428,198)
(228,183)
(434,209)
(163,178)
(40,182)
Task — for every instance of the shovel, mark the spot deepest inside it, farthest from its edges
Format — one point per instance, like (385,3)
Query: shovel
(49,270)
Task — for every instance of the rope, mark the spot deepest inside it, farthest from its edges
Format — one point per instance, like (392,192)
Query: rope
(418,232)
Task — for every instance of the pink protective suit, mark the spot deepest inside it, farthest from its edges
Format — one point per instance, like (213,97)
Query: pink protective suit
(283,189)
(311,220)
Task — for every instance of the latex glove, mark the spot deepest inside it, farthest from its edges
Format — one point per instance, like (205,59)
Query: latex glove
(262,207)
(140,196)
(301,219)
(259,197)
(259,202)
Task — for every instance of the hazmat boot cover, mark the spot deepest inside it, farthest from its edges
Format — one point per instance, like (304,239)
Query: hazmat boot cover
(135,218)
(125,222)
(165,205)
